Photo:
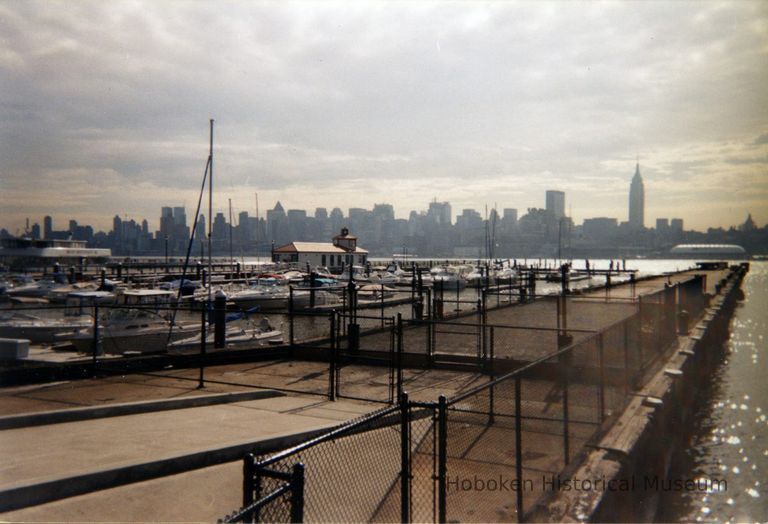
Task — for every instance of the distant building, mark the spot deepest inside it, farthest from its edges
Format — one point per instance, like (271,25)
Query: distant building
(676,225)
(510,217)
(637,201)
(439,213)
(344,251)
(600,228)
(556,203)
(709,251)
(748,225)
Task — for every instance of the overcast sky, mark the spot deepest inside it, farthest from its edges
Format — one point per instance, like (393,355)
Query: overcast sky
(105,107)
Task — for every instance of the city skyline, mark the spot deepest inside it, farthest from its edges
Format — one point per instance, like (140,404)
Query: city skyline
(105,107)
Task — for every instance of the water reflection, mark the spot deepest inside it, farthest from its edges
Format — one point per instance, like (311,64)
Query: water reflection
(729,440)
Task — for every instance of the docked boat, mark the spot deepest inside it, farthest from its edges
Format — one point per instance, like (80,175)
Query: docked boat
(506,275)
(130,330)
(268,297)
(241,337)
(38,289)
(374,292)
(37,329)
(447,277)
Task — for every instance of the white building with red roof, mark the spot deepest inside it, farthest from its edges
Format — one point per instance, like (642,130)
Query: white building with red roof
(342,251)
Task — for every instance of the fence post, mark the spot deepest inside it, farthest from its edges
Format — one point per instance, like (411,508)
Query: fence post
(565,370)
(95,334)
(405,459)
(332,358)
(203,336)
(248,474)
(290,315)
(519,449)
(640,333)
(626,357)
(601,391)
(442,457)
(480,330)
(399,351)
(491,417)
(297,493)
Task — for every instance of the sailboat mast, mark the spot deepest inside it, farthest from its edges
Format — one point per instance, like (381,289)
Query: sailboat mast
(210,215)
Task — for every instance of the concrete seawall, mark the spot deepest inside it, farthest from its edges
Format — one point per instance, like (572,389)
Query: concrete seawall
(621,478)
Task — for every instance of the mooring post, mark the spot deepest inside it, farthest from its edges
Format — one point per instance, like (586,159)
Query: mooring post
(219,320)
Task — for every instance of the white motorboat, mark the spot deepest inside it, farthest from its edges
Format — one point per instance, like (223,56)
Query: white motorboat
(39,289)
(272,297)
(37,329)
(130,330)
(241,337)
(374,292)
(447,277)
(506,275)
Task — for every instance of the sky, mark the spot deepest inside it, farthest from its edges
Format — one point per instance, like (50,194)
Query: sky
(105,107)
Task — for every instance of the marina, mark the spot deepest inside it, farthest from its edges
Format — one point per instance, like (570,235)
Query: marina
(458,346)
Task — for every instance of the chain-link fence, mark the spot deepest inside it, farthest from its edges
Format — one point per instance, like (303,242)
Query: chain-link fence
(270,494)
(489,453)
(352,473)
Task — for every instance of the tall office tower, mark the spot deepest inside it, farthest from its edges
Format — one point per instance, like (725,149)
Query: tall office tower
(637,201)
(166,221)
(556,203)
(200,232)
(439,213)
(179,216)
(47,226)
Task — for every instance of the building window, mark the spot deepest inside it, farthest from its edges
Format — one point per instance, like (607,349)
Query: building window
(322,261)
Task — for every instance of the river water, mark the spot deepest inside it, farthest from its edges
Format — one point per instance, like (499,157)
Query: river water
(729,439)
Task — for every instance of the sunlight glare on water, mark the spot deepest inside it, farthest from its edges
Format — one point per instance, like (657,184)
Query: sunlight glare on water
(730,438)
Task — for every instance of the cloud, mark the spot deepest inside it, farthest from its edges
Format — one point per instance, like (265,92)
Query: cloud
(324,104)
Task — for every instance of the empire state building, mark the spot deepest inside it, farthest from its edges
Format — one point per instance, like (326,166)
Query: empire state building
(637,201)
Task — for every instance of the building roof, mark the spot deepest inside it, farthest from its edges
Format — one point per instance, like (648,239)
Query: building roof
(317,247)
(708,248)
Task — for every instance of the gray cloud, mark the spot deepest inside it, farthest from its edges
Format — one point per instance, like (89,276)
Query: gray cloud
(401,102)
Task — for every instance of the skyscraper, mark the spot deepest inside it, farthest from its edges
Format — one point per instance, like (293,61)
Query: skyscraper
(637,201)
(556,203)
